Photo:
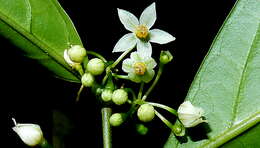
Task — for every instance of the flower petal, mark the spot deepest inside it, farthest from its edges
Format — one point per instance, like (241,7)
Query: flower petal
(135,78)
(148,76)
(160,37)
(128,41)
(144,48)
(148,16)
(127,65)
(128,19)
(136,57)
(150,63)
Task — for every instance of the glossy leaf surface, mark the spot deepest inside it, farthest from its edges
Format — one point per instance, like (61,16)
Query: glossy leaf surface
(227,85)
(42,29)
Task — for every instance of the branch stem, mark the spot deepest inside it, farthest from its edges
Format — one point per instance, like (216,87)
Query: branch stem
(169,109)
(159,73)
(107,133)
(97,55)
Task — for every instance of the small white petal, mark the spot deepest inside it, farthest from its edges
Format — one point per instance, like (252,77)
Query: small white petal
(133,77)
(190,115)
(160,37)
(150,63)
(136,57)
(128,41)
(148,76)
(67,58)
(30,134)
(127,65)
(144,48)
(148,17)
(128,19)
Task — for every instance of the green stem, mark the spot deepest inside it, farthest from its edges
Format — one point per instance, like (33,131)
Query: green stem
(159,73)
(121,57)
(45,144)
(164,120)
(140,91)
(108,73)
(132,92)
(107,134)
(125,77)
(96,55)
(169,109)
(108,70)
(79,92)
(80,69)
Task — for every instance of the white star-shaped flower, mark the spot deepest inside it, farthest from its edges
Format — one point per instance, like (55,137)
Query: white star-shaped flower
(141,34)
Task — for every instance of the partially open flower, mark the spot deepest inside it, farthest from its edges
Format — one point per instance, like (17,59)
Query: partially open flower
(190,115)
(31,134)
(68,60)
(139,68)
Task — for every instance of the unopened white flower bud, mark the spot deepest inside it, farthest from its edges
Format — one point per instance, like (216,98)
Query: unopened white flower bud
(119,96)
(77,53)
(96,66)
(87,80)
(190,115)
(106,95)
(116,119)
(31,134)
(146,113)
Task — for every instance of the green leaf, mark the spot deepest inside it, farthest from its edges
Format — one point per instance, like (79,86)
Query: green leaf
(249,139)
(42,29)
(227,85)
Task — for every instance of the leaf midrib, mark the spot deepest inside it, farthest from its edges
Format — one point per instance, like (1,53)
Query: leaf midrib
(42,46)
(245,124)
(248,122)
(241,82)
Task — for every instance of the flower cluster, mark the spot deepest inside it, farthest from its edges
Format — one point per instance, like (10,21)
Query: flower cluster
(140,68)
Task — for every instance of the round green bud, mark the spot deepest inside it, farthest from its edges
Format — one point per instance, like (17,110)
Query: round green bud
(141,129)
(145,112)
(77,53)
(106,95)
(119,96)
(116,119)
(165,57)
(87,80)
(95,66)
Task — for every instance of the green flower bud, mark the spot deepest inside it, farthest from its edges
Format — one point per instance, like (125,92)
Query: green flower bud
(165,57)
(77,53)
(116,119)
(141,129)
(119,96)
(95,66)
(146,113)
(87,80)
(106,95)
(178,129)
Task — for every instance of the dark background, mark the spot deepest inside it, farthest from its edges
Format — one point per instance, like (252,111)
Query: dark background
(32,94)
